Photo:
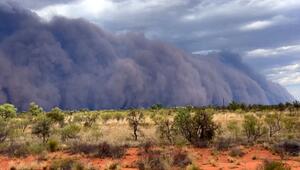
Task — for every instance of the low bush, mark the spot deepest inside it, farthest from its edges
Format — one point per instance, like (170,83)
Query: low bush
(113,166)
(105,150)
(236,152)
(222,143)
(192,167)
(288,147)
(78,147)
(180,159)
(68,164)
(151,162)
(273,165)
(52,145)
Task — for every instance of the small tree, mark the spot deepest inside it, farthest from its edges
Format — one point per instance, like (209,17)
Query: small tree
(165,126)
(135,120)
(42,128)
(253,128)
(8,111)
(196,128)
(35,109)
(56,115)
(274,123)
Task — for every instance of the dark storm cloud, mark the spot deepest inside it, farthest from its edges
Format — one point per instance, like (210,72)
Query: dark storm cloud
(75,64)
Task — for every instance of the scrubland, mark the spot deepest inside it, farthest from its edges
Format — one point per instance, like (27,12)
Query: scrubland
(234,137)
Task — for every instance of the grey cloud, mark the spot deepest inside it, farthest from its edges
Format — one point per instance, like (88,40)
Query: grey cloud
(75,64)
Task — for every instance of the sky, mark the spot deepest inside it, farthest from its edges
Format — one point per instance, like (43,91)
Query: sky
(265,32)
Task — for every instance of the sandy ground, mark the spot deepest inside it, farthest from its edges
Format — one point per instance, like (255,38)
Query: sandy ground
(206,159)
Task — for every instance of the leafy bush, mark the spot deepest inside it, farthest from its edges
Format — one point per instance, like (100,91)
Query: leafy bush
(8,111)
(70,131)
(197,128)
(192,167)
(113,166)
(273,165)
(253,128)
(35,109)
(56,115)
(42,128)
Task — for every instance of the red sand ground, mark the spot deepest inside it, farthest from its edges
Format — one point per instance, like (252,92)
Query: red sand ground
(205,158)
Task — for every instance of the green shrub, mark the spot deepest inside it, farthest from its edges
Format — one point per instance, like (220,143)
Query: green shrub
(52,145)
(70,131)
(192,167)
(197,128)
(8,111)
(56,115)
(42,128)
(253,128)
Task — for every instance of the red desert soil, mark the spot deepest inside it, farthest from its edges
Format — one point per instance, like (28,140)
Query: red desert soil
(205,158)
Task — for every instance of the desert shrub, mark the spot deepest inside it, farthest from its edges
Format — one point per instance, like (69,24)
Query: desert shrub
(36,148)
(180,159)
(52,145)
(70,131)
(291,124)
(288,147)
(78,147)
(135,120)
(105,150)
(274,123)
(192,167)
(165,126)
(56,115)
(236,152)
(42,128)
(106,117)
(273,165)
(35,109)
(113,166)
(102,150)
(151,162)
(87,118)
(68,164)
(4,130)
(8,111)
(197,128)
(223,143)
(233,128)
(17,150)
(253,128)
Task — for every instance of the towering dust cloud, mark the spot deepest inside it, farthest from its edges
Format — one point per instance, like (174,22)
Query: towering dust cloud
(74,64)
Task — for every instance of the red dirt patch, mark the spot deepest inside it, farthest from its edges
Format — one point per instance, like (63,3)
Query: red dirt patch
(205,158)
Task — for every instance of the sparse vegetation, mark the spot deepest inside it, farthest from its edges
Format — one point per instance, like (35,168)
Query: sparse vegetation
(108,134)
